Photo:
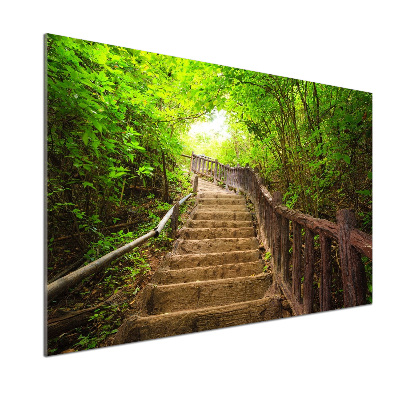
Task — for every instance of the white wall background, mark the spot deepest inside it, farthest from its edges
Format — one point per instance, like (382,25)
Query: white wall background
(343,354)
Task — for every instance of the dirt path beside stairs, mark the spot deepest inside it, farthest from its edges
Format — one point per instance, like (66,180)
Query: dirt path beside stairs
(212,279)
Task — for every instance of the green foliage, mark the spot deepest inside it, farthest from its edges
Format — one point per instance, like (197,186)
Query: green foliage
(267,258)
(107,324)
(312,142)
(112,112)
(107,244)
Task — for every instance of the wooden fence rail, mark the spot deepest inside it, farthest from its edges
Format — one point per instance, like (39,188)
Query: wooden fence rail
(302,247)
(62,284)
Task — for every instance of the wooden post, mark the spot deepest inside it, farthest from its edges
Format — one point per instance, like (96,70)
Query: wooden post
(195,184)
(267,223)
(353,272)
(325,287)
(285,249)
(253,187)
(276,226)
(270,227)
(215,171)
(174,220)
(247,172)
(308,272)
(263,207)
(191,161)
(296,272)
(266,215)
(235,178)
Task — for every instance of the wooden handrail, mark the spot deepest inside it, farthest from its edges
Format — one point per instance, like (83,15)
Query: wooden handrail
(273,219)
(168,215)
(62,284)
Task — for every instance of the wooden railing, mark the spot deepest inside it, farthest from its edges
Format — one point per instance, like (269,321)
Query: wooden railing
(307,253)
(60,285)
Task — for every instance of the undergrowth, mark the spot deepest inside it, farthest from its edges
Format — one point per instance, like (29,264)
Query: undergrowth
(126,276)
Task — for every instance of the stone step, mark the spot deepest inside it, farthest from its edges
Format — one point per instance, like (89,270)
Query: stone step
(221,201)
(212,259)
(223,215)
(213,278)
(136,328)
(169,276)
(160,299)
(221,207)
(218,195)
(218,224)
(215,245)
(214,233)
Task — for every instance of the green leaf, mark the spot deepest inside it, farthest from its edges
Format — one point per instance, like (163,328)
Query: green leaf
(101,58)
(98,126)
(85,184)
(346,158)
(85,138)
(364,192)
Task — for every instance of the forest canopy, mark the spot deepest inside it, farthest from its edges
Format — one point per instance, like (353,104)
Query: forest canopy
(118,121)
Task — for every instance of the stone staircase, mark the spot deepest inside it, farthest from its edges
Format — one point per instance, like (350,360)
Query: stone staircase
(212,279)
